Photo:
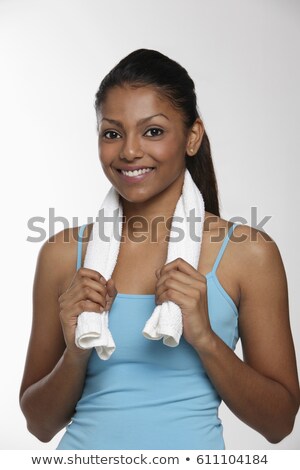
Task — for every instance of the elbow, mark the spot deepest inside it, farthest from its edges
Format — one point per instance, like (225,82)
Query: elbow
(276,438)
(40,434)
(286,422)
(42,431)
(35,426)
(38,430)
(282,431)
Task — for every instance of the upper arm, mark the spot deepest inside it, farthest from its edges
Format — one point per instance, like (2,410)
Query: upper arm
(264,324)
(56,261)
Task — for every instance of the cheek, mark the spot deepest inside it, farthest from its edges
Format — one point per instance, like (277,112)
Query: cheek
(170,148)
(106,153)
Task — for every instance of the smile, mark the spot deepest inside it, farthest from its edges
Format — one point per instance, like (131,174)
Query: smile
(136,175)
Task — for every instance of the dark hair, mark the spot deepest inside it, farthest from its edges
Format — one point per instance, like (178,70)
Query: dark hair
(147,67)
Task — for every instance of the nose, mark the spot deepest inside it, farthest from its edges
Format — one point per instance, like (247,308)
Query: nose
(131,149)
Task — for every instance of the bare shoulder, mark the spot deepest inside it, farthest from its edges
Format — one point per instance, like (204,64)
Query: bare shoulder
(249,248)
(251,256)
(59,255)
(263,289)
(257,255)
(250,237)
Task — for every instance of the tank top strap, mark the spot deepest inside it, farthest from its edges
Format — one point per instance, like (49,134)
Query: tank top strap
(79,246)
(222,249)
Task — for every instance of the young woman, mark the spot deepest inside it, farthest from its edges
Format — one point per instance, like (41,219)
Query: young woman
(148,395)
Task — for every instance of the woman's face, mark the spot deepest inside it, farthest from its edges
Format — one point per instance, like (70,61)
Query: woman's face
(130,137)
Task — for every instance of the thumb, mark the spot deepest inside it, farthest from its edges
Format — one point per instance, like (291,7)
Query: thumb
(157,272)
(111,288)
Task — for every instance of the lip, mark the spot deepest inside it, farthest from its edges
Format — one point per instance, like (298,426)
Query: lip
(135,179)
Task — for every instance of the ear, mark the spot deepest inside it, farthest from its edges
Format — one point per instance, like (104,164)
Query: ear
(195,137)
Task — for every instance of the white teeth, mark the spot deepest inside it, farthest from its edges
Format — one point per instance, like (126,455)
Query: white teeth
(136,172)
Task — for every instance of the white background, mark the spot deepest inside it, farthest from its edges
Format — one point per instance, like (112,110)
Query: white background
(244,59)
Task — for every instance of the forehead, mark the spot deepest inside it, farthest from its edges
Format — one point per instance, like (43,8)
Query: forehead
(136,103)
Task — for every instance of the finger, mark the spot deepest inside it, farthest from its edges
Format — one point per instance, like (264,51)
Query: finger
(87,306)
(99,286)
(85,273)
(191,278)
(180,276)
(90,273)
(82,306)
(84,293)
(179,264)
(90,290)
(93,296)
(111,288)
(179,298)
(173,284)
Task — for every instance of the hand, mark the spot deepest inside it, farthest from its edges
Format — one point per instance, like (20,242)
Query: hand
(88,292)
(179,282)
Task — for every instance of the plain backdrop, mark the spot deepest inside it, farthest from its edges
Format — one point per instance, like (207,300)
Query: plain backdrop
(244,59)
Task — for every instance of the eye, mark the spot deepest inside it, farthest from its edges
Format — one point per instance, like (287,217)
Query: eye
(155,129)
(105,134)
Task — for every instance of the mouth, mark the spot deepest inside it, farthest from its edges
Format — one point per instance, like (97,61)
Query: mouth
(136,176)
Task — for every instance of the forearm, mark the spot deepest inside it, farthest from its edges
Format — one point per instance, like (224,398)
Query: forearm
(49,404)
(262,403)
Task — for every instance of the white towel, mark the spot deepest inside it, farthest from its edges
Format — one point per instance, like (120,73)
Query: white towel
(102,251)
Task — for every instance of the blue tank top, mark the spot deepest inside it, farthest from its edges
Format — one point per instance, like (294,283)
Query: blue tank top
(149,395)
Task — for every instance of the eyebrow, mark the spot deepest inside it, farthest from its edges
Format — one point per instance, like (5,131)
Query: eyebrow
(141,121)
